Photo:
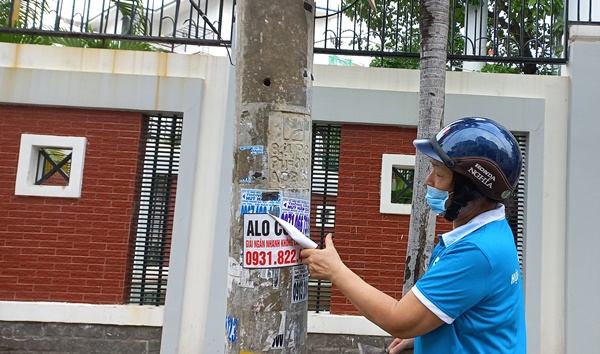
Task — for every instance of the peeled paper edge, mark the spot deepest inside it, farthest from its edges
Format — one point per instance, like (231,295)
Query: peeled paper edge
(295,234)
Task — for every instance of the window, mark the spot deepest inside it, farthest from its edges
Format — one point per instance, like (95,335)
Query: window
(156,206)
(397,174)
(516,217)
(324,188)
(325,217)
(50,166)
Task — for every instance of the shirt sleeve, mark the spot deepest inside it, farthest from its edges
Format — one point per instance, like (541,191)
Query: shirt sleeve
(455,282)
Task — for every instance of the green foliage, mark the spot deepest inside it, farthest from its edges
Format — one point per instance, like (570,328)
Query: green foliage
(134,21)
(501,68)
(398,30)
(14,38)
(395,28)
(30,13)
(72,42)
(394,62)
(26,17)
(401,191)
(97,43)
(132,11)
(510,68)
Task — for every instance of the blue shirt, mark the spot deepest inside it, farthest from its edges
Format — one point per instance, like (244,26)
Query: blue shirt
(474,285)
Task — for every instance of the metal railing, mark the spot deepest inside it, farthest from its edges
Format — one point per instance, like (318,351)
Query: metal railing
(325,156)
(519,31)
(174,24)
(481,30)
(155,209)
(584,12)
(516,31)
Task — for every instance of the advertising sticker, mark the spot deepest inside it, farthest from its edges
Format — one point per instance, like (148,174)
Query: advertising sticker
(296,212)
(267,244)
(255,201)
(299,284)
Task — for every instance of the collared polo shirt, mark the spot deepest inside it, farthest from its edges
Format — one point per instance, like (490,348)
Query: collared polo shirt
(474,285)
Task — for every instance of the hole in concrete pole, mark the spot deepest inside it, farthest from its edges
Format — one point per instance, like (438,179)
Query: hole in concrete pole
(267,82)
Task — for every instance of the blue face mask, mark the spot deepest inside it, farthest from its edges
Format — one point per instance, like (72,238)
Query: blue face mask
(436,199)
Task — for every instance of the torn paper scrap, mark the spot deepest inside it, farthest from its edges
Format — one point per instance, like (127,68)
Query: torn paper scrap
(295,234)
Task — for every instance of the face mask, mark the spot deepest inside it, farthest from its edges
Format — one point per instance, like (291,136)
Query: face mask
(436,199)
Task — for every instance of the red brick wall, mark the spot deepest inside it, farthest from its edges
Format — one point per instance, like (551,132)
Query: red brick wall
(69,249)
(370,243)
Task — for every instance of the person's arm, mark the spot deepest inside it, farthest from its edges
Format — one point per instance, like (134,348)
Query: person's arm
(404,318)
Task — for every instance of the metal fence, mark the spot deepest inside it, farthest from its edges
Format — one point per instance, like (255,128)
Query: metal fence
(584,12)
(480,30)
(530,33)
(326,140)
(173,24)
(155,209)
(523,31)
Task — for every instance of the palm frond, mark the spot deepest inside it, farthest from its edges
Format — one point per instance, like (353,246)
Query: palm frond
(134,20)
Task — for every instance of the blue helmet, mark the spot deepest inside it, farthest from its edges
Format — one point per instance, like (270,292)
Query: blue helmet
(480,149)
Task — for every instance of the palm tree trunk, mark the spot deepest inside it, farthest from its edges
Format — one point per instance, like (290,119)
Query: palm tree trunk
(434,39)
(15,13)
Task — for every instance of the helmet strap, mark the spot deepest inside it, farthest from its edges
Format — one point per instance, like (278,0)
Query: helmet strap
(461,197)
(458,202)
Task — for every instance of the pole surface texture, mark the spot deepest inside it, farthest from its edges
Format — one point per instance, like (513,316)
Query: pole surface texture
(267,285)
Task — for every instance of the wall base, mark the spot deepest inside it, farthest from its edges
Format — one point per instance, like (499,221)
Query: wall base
(48,337)
(72,338)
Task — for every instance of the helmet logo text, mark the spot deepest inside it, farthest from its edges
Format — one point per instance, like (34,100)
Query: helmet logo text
(483,175)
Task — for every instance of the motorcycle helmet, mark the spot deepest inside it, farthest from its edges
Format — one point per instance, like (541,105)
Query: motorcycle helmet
(481,150)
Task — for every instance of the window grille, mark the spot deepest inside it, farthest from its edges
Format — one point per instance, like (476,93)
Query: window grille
(52,163)
(402,185)
(516,218)
(325,216)
(324,188)
(157,184)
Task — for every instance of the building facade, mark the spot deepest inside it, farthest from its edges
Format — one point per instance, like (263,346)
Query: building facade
(68,261)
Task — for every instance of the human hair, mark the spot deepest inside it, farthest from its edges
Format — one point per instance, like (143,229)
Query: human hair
(465,188)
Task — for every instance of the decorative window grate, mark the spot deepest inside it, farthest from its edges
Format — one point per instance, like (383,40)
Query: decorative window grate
(325,216)
(324,188)
(397,174)
(516,218)
(54,166)
(50,166)
(402,185)
(156,203)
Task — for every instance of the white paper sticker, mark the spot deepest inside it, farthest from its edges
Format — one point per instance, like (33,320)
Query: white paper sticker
(294,233)
(299,284)
(296,212)
(259,202)
(267,244)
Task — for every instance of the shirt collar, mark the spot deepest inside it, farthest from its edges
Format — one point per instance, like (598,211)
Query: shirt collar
(480,220)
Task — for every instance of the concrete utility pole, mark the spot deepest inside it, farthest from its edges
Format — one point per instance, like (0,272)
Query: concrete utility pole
(266,301)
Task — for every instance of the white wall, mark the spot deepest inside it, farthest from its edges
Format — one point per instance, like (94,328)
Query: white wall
(146,82)
(198,86)
(537,105)
(582,243)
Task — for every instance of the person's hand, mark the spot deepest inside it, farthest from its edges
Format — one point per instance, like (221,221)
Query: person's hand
(399,345)
(324,263)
